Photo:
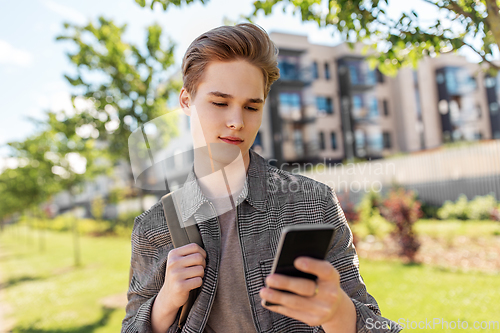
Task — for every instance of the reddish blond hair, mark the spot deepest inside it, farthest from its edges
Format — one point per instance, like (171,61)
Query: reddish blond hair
(244,41)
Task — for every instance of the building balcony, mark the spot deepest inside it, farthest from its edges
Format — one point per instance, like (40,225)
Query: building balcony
(300,151)
(294,74)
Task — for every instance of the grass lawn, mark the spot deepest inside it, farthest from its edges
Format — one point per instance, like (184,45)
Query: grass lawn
(453,228)
(48,295)
(46,292)
(417,292)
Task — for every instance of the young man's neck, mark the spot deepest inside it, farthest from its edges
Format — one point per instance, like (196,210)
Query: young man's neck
(219,179)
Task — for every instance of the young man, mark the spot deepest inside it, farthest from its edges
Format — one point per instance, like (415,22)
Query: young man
(228,72)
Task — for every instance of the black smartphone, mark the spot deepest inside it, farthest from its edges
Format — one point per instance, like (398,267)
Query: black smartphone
(309,240)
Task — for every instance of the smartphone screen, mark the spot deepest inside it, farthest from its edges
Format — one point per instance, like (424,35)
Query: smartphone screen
(309,240)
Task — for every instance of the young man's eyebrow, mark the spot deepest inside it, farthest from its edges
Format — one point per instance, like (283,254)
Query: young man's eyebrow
(223,95)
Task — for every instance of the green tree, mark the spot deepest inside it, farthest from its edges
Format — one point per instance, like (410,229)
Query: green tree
(133,86)
(397,41)
(57,157)
(54,159)
(22,188)
(404,40)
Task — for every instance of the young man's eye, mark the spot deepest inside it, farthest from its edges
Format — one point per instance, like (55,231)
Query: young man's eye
(252,109)
(219,104)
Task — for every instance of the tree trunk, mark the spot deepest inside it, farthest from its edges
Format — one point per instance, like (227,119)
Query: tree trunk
(76,238)
(41,239)
(493,19)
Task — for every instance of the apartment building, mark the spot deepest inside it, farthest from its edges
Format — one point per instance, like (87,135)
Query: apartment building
(329,105)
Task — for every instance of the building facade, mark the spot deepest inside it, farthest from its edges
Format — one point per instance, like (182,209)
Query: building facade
(328,105)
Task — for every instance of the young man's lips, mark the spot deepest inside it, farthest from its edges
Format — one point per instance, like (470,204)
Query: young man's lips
(231,140)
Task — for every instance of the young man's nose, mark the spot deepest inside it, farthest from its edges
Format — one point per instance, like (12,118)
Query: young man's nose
(235,120)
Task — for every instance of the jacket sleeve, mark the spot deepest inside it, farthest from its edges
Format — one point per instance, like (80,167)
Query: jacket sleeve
(148,275)
(344,258)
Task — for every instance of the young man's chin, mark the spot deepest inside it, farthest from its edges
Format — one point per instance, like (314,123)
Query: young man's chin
(220,154)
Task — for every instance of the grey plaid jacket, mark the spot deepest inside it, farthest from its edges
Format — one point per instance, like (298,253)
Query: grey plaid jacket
(271,200)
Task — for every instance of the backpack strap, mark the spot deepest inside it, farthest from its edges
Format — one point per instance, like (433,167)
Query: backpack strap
(181,235)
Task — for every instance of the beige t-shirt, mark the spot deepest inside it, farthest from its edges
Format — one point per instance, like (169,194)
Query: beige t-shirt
(231,310)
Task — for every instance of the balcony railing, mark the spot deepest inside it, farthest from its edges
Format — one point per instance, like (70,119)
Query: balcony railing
(294,72)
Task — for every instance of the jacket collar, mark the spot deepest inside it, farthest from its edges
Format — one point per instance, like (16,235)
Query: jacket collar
(191,198)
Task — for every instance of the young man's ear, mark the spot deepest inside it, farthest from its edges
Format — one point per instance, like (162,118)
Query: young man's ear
(185,101)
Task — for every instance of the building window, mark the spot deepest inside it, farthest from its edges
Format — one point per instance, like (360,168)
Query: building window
(327,71)
(289,67)
(298,143)
(315,70)
(365,106)
(373,107)
(489,82)
(358,106)
(289,105)
(333,140)
(494,108)
(321,140)
(360,73)
(375,142)
(387,140)
(360,142)
(324,105)
(459,81)
(386,107)
(478,136)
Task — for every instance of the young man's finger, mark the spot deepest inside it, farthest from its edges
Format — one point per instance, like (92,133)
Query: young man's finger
(189,249)
(286,299)
(321,268)
(194,259)
(293,313)
(300,286)
(191,272)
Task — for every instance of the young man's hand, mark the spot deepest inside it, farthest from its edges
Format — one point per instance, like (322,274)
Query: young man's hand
(185,270)
(320,302)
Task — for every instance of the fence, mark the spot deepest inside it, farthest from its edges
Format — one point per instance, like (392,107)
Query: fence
(438,175)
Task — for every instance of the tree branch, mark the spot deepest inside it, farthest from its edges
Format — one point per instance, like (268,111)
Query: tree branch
(493,19)
(453,7)
(497,67)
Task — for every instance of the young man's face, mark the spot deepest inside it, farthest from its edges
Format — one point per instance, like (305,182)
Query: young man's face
(228,104)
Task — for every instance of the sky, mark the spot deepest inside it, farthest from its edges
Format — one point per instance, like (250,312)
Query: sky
(32,62)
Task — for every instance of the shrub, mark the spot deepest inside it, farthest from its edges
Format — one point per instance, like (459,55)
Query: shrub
(402,209)
(89,227)
(457,210)
(429,211)
(480,208)
(495,213)
(370,222)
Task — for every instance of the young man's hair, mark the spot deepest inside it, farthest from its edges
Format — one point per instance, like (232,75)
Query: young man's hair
(244,41)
